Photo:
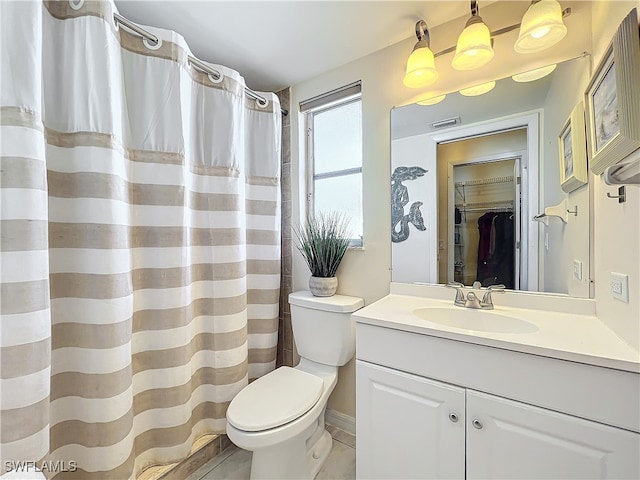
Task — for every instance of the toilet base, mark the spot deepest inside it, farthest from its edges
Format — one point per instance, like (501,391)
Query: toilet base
(292,460)
(319,453)
(287,460)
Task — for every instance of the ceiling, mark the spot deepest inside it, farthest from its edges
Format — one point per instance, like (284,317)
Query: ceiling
(275,44)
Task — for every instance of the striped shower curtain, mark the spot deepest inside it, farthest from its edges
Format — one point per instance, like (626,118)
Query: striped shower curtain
(140,242)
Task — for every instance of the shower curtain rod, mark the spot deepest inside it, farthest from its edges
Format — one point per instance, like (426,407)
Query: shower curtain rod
(192,60)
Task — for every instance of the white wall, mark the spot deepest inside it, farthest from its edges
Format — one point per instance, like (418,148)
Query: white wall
(365,273)
(566,242)
(616,226)
(411,263)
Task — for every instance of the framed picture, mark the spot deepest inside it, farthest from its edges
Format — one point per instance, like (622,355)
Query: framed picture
(572,151)
(612,99)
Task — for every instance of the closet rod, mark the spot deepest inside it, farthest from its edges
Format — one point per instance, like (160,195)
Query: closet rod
(489,209)
(203,67)
(488,205)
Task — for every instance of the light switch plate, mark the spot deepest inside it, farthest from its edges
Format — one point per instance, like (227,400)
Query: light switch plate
(620,286)
(577,269)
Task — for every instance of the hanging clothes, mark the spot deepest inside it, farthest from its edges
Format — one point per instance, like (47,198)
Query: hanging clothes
(496,249)
(485,223)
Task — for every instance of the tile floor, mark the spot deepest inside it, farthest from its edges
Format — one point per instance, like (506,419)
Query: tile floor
(235,463)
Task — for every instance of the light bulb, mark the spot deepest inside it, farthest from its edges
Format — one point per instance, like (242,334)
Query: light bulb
(541,27)
(540,32)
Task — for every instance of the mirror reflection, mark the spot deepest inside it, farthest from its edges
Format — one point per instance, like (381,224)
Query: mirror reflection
(485,210)
(468,176)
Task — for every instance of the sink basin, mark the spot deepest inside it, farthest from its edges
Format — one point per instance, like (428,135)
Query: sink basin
(474,319)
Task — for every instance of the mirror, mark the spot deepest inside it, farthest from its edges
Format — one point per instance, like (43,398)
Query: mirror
(468,176)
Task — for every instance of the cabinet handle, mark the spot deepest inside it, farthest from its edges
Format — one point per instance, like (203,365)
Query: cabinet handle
(453,417)
(477,424)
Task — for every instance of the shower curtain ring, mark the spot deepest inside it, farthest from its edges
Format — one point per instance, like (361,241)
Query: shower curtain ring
(150,44)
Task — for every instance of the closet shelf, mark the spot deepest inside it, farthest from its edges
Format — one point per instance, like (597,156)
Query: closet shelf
(484,181)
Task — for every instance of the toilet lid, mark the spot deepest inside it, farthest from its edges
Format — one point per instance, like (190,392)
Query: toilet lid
(275,399)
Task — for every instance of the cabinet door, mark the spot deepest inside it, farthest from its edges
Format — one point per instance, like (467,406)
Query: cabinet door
(404,429)
(515,440)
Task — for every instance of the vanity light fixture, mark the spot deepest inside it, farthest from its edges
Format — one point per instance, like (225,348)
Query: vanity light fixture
(473,49)
(431,100)
(421,69)
(541,27)
(478,89)
(533,75)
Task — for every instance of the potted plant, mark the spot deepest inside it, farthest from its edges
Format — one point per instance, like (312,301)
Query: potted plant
(323,242)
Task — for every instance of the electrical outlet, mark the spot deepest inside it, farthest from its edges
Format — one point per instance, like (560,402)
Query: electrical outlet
(577,269)
(620,286)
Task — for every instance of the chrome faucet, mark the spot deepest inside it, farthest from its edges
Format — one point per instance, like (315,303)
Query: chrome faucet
(471,300)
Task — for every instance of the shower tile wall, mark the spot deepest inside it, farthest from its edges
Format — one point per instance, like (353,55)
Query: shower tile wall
(286,350)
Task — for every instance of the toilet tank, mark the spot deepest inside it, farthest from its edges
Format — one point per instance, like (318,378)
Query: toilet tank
(322,327)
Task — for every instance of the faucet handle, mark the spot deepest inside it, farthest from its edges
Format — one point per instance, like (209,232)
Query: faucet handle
(486,299)
(476,285)
(459,300)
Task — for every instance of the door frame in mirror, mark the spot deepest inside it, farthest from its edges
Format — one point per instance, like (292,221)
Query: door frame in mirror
(531,231)
(518,157)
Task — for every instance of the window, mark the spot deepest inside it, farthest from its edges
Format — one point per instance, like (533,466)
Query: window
(334,155)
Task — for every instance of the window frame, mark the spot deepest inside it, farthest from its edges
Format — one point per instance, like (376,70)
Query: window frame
(356,242)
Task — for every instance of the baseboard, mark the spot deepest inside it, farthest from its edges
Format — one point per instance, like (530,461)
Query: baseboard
(341,421)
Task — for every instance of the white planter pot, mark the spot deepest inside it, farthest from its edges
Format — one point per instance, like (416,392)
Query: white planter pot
(323,287)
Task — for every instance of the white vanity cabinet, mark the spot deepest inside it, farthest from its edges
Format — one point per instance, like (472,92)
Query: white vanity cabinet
(430,407)
(507,439)
(408,426)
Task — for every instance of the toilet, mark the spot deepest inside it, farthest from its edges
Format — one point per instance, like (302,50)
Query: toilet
(280,416)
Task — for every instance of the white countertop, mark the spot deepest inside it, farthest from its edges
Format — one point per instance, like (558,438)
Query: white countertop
(574,337)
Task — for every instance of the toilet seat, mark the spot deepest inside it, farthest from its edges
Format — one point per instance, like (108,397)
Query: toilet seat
(275,399)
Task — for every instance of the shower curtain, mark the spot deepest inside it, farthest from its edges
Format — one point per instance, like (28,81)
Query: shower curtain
(140,250)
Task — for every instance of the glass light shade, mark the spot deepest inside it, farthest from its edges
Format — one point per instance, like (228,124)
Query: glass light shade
(421,67)
(541,27)
(473,49)
(533,75)
(431,100)
(478,89)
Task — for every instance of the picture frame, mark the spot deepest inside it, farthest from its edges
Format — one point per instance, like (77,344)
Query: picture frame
(612,99)
(572,151)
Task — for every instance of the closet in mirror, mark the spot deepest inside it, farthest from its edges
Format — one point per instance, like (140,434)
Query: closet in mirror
(468,176)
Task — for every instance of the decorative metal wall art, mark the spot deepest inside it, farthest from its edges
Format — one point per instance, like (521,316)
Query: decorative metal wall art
(400,198)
